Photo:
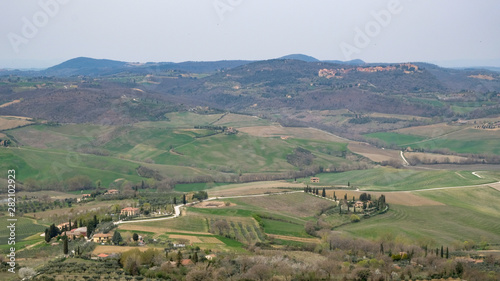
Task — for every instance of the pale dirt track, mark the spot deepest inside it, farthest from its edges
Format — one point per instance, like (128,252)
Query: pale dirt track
(9,103)
(495,185)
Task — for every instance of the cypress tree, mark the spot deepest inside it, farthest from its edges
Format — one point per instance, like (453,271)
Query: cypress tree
(90,228)
(195,257)
(381,248)
(96,222)
(324,192)
(47,235)
(447,253)
(442,254)
(117,238)
(184,199)
(175,200)
(179,258)
(65,247)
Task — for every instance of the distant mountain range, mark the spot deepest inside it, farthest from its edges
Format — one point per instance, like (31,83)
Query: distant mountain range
(297,82)
(102,67)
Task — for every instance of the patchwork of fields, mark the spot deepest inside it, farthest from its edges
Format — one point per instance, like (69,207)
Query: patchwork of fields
(455,138)
(420,209)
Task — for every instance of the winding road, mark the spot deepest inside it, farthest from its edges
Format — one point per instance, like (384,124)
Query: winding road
(177,208)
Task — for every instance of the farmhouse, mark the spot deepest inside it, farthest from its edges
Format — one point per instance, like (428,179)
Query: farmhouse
(315,179)
(63,225)
(129,211)
(84,196)
(102,237)
(186,262)
(111,192)
(358,204)
(76,233)
(210,257)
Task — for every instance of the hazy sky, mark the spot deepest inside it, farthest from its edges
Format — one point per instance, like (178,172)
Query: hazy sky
(451,33)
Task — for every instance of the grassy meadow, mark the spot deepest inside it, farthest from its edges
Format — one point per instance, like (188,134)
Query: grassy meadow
(391,179)
(467,214)
(456,139)
(173,148)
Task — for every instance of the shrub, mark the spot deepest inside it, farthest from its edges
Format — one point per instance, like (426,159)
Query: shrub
(355,218)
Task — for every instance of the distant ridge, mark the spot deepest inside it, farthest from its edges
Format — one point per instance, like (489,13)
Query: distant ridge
(99,67)
(85,66)
(301,57)
(307,58)
(350,62)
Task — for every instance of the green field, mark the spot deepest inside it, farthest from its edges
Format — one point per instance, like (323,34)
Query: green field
(460,141)
(391,179)
(25,229)
(177,150)
(284,228)
(281,214)
(44,164)
(469,214)
(188,223)
(395,138)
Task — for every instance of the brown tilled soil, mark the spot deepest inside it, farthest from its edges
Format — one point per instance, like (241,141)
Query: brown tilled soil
(291,238)
(192,239)
(159,230)
(439,158)
(106,249)
(213,204)
(303,133)
(373,153)
(12,122)
(252,188)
